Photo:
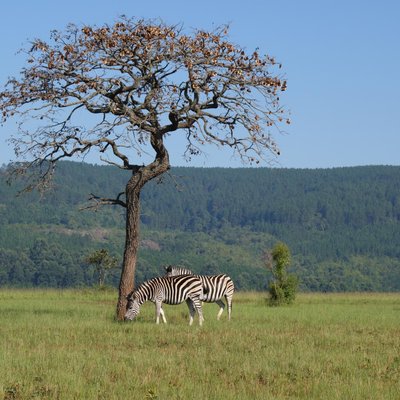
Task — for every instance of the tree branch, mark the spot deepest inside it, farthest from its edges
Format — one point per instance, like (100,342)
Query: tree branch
(100,201)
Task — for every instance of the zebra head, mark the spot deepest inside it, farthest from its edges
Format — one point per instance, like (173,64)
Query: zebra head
(132,308)
(168,270)
(172,270)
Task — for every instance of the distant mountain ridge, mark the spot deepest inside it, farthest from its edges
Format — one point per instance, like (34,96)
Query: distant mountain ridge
(342,224)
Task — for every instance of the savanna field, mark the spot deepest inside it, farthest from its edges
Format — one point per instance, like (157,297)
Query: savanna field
(67,345)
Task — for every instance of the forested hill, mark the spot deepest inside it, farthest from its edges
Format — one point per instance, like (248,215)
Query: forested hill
(342,225)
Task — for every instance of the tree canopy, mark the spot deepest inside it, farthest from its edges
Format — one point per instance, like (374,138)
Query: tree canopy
(141,80)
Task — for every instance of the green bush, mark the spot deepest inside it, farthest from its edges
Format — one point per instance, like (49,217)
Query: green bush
(283,288)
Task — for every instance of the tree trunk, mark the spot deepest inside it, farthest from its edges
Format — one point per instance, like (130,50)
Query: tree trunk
(140,177)
(102,277)
(127,281)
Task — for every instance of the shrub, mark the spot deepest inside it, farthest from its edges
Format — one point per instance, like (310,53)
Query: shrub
(283,288)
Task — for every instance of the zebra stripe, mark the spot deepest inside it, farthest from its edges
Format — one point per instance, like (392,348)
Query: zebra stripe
(215,287)
(169,290)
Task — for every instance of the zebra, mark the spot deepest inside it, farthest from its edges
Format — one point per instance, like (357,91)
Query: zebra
(214,287)
(168,290)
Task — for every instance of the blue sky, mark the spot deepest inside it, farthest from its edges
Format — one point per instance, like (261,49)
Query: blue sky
(341,60)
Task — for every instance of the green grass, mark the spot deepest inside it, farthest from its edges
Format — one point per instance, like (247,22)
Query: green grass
(67,345)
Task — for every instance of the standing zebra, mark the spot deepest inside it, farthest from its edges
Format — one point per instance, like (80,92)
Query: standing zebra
(168,290)
(214,287)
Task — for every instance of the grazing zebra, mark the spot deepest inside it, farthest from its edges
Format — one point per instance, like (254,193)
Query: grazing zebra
(168,290)
(214,287)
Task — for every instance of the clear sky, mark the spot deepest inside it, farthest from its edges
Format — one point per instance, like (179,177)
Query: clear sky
(341,59)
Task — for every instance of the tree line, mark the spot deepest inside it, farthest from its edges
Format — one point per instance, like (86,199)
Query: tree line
(341,225)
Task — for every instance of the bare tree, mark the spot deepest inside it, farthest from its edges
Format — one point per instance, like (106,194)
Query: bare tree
(121,90)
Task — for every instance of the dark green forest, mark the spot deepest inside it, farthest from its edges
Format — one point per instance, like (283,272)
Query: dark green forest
(342,226)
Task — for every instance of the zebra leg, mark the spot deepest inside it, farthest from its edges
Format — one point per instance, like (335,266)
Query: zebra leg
(159,311)
(229,303)
(192,310)
(196,302)
(163,315)
(222,306)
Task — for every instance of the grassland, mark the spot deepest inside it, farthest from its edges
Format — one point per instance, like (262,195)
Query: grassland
(67,345)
